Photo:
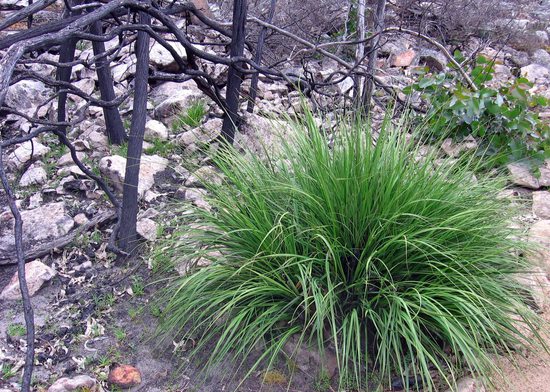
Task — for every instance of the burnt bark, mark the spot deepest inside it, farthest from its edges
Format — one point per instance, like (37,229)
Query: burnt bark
(258,57)
(128,218)
(113,122)
(234,77)
(371,65)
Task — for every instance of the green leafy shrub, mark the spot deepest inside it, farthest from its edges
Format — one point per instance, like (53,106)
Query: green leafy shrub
(402,268)
(502,117)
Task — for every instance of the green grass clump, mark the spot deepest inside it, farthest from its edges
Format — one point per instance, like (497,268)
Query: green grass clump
(191,117)
(403,266)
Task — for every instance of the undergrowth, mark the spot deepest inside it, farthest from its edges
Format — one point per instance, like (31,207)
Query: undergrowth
(401,266)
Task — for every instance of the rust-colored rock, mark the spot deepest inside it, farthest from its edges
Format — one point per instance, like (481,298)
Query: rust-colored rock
(124,376)
(403,59)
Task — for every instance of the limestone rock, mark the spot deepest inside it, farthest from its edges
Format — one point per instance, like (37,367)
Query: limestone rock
(67,159)
(113,167)
(535,73)
(204,175)
(124,376)
(26,95)
(155,130)
(541,204)
(40,225)
(522,176)
(541,57)
(468,384)
(454,150)
(27,151)
(162,59)
(175,105)
(35,175)
(203,134)
(78,383)
(539,234)
(147,228)
(36,274)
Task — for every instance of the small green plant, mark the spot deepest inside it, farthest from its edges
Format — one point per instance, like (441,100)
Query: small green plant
(156,311)
(402,265)
(504,118)
(120,334)
(8,371)
(161,147)
(16,330)
(322,382)
(138,288)
(121,149)
(191,117)
(133,313)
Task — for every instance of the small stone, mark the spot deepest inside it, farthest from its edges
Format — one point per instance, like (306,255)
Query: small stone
(81,219)
(67,159)
(522,176)
(468,384)
(36,274)
(35,175)
(147,228)
(155,130)
(78,383)
(403,59)
(124,376)
(541,204)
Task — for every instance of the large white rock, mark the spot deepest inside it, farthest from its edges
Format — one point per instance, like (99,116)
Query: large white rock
(202,134)
(114,167)
(535,73)
(26,95)
(163,60)
(27,151)
(40,225)
(147,228)
(35,175)
(521,175)
(176,105)
(541,204)
(36,274)
(78,383)
(155,130)
(539,234)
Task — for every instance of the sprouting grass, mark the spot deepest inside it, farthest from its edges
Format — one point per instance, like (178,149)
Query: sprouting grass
(121,149)
(191,117)
(403,266)
(161,147)
(7,371)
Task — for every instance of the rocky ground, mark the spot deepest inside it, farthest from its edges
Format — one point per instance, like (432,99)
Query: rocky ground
(94,315)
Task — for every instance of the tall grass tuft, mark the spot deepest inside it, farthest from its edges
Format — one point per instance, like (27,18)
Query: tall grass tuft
(403,267)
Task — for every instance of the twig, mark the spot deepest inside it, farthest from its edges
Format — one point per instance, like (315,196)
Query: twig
(27,306)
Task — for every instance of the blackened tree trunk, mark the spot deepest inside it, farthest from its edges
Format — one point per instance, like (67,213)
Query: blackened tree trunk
(234,77)
(371,66)
(128,218)
(113,122)
(63,74)
(258,57)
